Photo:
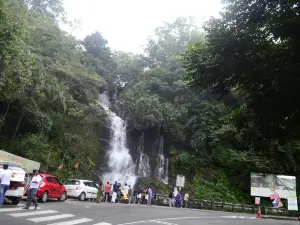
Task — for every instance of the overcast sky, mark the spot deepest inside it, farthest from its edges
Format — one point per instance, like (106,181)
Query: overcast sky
(126,24)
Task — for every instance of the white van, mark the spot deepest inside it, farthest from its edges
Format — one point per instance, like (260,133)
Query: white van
(81,189)
(17,184)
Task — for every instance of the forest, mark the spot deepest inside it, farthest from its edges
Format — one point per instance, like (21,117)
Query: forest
(222,91)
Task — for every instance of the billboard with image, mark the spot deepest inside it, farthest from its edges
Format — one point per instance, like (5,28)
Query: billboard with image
(272,186)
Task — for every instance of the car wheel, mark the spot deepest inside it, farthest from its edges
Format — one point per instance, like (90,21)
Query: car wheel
(44,197)
(81,197)
(15,201)
(63,197)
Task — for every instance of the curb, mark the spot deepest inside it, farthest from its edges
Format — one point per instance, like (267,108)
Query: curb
(280,218)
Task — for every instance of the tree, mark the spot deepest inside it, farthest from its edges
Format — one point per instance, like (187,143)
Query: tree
(170,39)
(253,49)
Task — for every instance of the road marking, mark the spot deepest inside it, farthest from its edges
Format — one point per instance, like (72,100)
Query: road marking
(103,223)
(161,222)
(47,218)
(32,213)
(72,222)
(11,209)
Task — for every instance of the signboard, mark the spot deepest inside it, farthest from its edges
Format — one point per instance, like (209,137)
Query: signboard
(29,165)
(180,180)
(272,186)
(292,202)
(257,200)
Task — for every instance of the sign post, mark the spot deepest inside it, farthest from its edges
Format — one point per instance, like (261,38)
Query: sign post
(180,180)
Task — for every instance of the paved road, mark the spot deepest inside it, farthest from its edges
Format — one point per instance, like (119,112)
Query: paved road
(88,213)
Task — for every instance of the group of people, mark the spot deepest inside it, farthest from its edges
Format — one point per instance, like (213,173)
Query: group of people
(6,176)
(178,200)
(116,193)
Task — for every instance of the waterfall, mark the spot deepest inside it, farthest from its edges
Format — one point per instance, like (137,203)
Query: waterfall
(166,178)
(161,169)
(142,163)
(120,165)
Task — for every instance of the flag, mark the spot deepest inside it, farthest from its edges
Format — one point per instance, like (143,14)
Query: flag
(76,165)
(60,167)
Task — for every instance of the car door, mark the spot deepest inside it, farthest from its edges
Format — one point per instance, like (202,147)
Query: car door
(87,189)
(50,187)
(94,189)
(57,186)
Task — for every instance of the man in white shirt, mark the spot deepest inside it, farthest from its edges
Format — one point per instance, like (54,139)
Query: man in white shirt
(5,177)
(126,189)
(34,186)
(186,199)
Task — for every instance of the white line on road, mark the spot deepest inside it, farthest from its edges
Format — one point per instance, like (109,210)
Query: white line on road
(161,222)
(47,218)
(177,218)
(72,222)
(10,209)
(103,223)
(32,213)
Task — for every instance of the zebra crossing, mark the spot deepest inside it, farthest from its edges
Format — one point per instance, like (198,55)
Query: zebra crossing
(49,217)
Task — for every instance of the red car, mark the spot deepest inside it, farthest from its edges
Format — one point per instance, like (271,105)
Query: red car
(50,187)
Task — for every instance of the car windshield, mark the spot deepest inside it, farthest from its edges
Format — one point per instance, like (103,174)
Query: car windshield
(72,182)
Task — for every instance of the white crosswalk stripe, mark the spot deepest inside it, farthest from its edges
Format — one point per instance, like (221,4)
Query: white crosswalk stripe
(32,213)
(48,218)
(10,209)
(73,222)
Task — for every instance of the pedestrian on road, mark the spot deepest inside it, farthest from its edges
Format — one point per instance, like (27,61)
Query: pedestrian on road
(139,194)
(170,198)
(178,200)
(107,191)
(5,177)
(34,185)
(149,196)
(115,192)
(129,194)
(186,199)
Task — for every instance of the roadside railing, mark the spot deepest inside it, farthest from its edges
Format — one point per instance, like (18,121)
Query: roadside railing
(163,200)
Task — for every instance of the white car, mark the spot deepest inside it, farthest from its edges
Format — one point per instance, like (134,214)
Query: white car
(17,184)
(81,189)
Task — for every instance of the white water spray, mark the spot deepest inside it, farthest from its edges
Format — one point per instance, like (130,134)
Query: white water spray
(143,166)
(120,165)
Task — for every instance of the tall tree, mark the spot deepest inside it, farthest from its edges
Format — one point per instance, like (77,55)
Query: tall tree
(254,49)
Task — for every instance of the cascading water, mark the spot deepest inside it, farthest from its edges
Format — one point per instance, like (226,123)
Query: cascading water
(120,165)
(166,179)
(160,173)
(142,163)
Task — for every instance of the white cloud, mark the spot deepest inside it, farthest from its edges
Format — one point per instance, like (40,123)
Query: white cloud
(126,24)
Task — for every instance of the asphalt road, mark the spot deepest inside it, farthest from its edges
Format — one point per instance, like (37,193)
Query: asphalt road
(90,213)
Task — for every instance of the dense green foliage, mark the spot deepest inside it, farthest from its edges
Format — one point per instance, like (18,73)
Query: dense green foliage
(48,96)
(224,96)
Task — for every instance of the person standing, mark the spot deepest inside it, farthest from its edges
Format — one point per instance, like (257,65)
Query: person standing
(5,177)
(186,199)
(115,192)
(170,198)
(139,194)
(126,189)
(149,192)
(107,191)
(129,194)
(34,185)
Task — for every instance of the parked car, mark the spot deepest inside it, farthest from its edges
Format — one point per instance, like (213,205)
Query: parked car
(17,184)
(81,189)
(50,187)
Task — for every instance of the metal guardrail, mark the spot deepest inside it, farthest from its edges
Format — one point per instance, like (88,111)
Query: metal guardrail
(163,200)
